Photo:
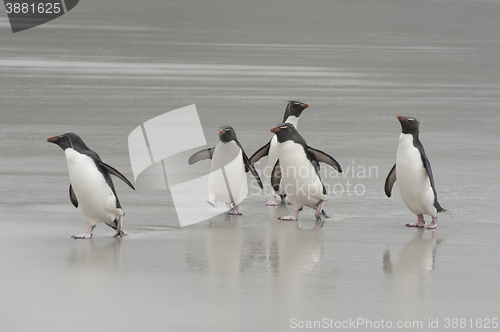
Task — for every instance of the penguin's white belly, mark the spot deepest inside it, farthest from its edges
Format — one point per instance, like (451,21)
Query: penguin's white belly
(272,158)
(95,198)
(229,156)
(299,179)
(412,178)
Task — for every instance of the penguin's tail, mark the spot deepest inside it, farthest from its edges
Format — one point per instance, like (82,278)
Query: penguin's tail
(446,211)
(439,208)
(113,224)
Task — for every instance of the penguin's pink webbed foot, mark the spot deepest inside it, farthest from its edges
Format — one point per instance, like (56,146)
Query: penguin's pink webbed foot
(319,209)
(419,223)
(86,235)
(272,201)
(433,224)
(293,216)
(235,211)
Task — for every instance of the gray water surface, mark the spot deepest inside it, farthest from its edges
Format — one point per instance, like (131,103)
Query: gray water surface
(107,67)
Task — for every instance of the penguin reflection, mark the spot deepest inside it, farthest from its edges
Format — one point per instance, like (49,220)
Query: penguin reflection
(292,251)
(90,256)
(224,250)
(412,272)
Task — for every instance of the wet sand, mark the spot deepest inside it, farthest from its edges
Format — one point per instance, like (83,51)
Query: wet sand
(106,68)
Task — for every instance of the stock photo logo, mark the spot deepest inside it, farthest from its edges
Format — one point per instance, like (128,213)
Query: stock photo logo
(26,14)
(159,151)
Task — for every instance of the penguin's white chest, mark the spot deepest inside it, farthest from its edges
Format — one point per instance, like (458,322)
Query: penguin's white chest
(227,181)
(412,178)
(299,179)
(95,198)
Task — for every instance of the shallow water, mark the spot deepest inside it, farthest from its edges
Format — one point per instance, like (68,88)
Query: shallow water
(107,67)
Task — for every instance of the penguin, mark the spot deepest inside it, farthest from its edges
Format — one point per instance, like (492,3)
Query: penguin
(91,187)
(292,112)
(414,175)
(296,173)
(229,156)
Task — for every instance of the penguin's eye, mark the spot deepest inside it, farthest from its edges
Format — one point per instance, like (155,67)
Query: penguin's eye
(62,138)
(286,129)
(411,121)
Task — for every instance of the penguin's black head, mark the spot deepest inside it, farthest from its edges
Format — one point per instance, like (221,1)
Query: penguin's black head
(227,134)
(286,132)
(409,125)
(68,140)
(295,108)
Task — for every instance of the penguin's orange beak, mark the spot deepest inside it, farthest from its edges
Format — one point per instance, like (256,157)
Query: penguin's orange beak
(52,139)
(401,118)
(221,131)
(275,129)
(304,105)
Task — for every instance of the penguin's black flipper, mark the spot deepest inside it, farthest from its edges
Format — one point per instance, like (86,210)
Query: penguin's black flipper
(201,155)
(72,196)
(324,158)
(262,152)
(427,166)
(114,171)
(389,182)
(276,176)
(316,167)
(249,167)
